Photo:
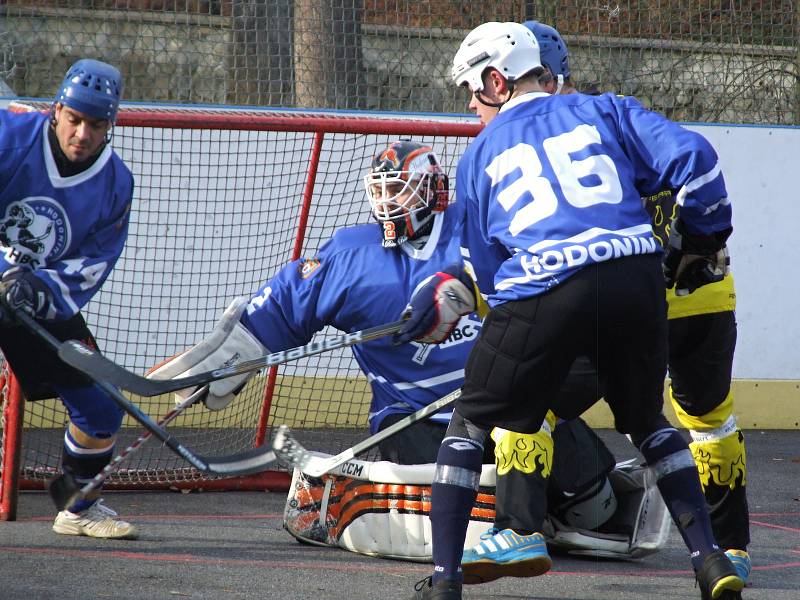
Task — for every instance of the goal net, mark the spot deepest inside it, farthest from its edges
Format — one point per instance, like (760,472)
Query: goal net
(222,200)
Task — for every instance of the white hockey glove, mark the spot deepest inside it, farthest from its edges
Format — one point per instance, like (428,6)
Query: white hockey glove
(436,307)
(691,261)
(228,344)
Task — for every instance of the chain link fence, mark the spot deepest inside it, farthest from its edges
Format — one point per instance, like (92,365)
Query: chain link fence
(693,60)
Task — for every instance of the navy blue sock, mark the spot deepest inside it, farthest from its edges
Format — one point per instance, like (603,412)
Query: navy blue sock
(84,463)
(667,453)
(458,472)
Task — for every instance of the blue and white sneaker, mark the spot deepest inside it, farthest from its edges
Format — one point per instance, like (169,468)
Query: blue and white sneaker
(505,554)
(741,562)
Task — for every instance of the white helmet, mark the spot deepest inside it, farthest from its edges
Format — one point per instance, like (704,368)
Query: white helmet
(510,48)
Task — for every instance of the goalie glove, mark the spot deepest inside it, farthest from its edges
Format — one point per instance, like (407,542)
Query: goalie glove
(228,344)
(22,290)
(692,261)
(436,307)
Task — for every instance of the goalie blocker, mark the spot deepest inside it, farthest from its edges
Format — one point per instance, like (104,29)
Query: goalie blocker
(383,509)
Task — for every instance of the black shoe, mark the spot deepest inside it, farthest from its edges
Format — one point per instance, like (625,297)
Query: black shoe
(443,589)
(718,579)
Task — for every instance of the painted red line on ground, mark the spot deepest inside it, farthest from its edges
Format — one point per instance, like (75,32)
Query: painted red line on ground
(776,566)
(780,514)
(774,526)
(191,559)
(208,517)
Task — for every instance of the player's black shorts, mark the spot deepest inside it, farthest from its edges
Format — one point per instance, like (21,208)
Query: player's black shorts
(580,390)
(36,365)
(701,351)
(612,312)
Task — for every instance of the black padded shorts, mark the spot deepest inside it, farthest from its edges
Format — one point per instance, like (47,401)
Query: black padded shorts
(613,312)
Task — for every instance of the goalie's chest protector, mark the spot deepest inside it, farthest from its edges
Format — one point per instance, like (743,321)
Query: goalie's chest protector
(408,377)
(355,283)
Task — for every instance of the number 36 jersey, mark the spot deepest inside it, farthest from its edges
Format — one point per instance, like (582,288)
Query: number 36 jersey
(555,183)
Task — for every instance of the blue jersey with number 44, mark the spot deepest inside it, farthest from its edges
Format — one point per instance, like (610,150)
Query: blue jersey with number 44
(355,283)
(69,230)
(555,183)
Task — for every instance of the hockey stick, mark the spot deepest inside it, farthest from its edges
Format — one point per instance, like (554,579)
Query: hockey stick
(291,452)
(65,490)
(254,460)
(100,368)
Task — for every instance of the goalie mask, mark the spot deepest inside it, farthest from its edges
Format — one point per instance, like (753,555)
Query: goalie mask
(405,187)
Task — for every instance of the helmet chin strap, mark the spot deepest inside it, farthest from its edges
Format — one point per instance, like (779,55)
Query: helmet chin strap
(480,99)
(560,79)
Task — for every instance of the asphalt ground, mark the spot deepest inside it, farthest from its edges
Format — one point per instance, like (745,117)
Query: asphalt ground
(231,545)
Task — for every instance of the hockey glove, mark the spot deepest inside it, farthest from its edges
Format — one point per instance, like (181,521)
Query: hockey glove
(691,261)
(22,290)
(436,307)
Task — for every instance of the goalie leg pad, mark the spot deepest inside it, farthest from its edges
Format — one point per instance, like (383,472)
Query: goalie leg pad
(229,343)
(383,512)
(639,526)
(579,493)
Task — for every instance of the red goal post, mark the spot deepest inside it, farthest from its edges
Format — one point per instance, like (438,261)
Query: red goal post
(223,198)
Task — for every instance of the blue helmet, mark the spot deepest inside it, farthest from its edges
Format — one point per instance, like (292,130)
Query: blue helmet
(93,88)
(552,49)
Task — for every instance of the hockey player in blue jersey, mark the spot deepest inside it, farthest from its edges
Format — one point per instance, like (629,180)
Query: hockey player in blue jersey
(65,199)
(702,335)
(581,464)
(564,256)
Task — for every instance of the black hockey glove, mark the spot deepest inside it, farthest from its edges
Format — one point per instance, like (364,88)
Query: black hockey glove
(691,261)
(22,290)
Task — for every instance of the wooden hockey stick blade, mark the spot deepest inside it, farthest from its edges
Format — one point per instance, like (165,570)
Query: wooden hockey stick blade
(254,460)
(98,367)
(292,452)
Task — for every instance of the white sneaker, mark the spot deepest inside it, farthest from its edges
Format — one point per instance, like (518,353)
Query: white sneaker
(97,521)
